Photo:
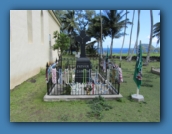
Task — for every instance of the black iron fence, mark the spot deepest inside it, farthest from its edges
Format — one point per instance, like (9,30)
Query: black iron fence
(97,85)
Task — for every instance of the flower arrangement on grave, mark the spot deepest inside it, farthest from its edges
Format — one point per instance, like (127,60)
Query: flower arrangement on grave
(88,89)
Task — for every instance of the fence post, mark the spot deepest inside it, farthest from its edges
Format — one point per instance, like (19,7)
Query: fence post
(61,60)
(47,88)
(118,87)
(99,64)
(46,73)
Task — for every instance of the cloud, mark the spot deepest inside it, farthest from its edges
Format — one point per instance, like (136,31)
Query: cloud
(92,39)
(154,40)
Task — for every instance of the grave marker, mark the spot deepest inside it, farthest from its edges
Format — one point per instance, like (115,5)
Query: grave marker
(82,62)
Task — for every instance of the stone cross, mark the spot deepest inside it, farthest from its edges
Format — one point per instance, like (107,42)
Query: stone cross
(82,38)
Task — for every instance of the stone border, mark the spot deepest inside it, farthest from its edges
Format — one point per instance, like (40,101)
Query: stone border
(155,71)
(78,97)
(137,97)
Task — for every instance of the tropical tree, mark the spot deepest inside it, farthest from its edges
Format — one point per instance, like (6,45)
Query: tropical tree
(131,34)
(69,21)
(83,17)
(74,21)
(90,48)
(101,29)
(59,13)
(94,30)
(74,45)
(61,41)
(150,40)
(124,37)
(114,22)
(156,31)
(138,30)
(70,24)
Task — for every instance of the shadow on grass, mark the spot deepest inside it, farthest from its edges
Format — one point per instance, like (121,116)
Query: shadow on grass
(146,85)
(120,100)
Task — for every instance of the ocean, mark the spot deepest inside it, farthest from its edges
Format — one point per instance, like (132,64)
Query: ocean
(117,50)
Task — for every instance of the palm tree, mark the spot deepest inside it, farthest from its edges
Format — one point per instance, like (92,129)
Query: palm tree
(94,30)
(101,34)
(69,21)
(124,37)
(156,31)
(138,30)
(131,34)
(150,40)
(70,24)
(114,24)
(83,17)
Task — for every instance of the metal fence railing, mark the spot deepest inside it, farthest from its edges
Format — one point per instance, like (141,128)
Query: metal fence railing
(65,84)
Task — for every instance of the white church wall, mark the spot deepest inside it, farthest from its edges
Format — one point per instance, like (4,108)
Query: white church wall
(28,56)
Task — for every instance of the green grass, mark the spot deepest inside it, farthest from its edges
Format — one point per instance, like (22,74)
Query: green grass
(144,54)
(27,105)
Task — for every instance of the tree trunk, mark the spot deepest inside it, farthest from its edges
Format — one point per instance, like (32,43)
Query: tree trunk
(138,30)
(131,56)
(131,33)
(150,41)
(102,49)
(98,47)
(101,32)
(124,37)
(111,46)
(70,47)
(101,53)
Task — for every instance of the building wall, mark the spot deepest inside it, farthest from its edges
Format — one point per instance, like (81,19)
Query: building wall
(29,43)
(52,26)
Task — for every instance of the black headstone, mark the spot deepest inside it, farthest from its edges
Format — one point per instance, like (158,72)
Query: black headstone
(82,62)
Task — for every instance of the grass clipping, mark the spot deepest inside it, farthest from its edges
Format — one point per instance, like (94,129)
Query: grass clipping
(98,105)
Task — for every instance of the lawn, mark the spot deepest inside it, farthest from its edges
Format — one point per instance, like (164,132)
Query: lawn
(27,105)
(144,54)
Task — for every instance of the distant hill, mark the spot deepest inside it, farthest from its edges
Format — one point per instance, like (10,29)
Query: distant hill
(145,48)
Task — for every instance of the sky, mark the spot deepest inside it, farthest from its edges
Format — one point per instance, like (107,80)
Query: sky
(144,30)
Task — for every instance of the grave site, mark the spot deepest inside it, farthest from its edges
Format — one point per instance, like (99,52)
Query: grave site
(71,78)
(82,80)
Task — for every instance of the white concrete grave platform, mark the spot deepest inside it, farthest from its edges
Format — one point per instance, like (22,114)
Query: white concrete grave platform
(78,91)
(78,97)
(137,97)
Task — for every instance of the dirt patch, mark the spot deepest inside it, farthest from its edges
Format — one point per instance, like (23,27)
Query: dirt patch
(32,80)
